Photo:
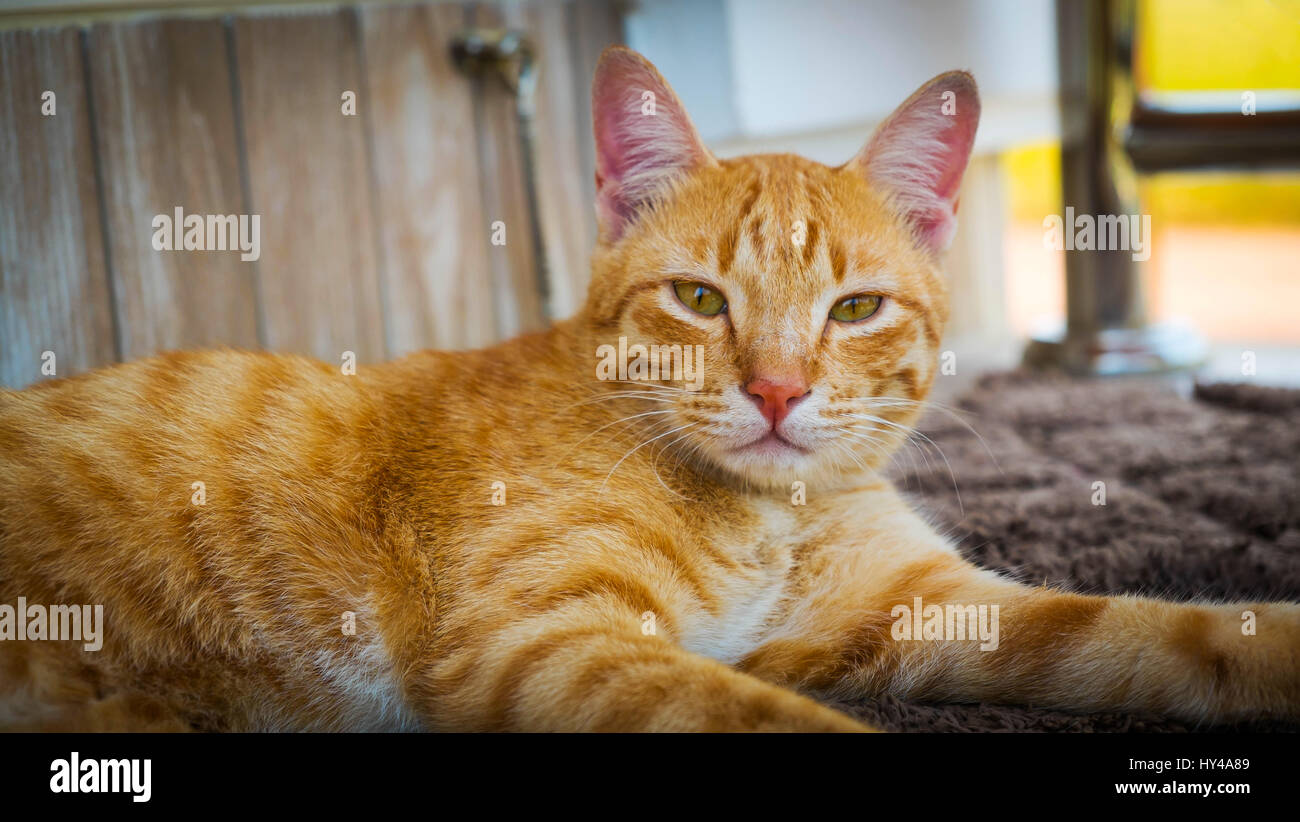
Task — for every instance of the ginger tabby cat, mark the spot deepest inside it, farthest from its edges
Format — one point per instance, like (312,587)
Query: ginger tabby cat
(648,568)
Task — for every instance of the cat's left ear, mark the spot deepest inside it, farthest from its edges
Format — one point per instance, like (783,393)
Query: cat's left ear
(920,153)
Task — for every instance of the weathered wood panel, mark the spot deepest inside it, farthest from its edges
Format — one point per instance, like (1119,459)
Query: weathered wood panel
(566,205)
(375,229)
(309,180)
(432,228)
(166,133)
(53,275)
(593,25)
(505,196)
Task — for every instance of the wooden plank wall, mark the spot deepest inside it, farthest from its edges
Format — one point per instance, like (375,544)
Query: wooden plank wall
(165,130)
(308,178)
(53,276)
(375,228)
(426,158)
(513,264)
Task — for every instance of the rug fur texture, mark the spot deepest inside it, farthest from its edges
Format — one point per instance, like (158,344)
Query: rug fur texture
(1202,501)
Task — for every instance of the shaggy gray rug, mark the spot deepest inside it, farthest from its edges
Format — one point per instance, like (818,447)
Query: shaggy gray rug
(1202,500)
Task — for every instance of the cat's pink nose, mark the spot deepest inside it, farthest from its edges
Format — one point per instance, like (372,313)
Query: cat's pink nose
(777,395)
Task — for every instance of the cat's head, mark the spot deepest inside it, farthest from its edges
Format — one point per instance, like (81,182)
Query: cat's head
(815,292)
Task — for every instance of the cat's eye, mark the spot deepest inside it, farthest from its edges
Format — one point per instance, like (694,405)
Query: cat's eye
(857,307)
(700,298)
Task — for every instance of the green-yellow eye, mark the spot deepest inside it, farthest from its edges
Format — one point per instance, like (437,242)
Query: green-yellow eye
(858,307)
(699,298)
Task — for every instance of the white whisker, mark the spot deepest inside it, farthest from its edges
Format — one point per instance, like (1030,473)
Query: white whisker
(638,448)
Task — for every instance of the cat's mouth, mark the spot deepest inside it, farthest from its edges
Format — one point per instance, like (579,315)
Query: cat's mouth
(771,443)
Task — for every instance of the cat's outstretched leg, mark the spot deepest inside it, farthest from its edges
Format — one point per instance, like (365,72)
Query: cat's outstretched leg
(921,622)
(591,669)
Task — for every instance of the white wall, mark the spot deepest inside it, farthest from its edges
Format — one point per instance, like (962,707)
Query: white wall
(815,76)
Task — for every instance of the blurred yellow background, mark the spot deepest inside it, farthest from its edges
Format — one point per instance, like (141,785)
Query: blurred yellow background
(1226,251)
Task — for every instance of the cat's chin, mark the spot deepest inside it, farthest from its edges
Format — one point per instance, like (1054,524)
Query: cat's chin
(774,464)
(771,446)
(769,462)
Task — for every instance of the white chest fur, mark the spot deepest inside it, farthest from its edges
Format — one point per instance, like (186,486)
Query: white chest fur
(750,596)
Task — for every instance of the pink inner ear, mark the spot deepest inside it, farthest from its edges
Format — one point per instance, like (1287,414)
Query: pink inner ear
(938,223)
(920,154)
(637,153)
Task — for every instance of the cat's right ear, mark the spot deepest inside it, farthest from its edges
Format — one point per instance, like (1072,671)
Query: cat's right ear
(644,138)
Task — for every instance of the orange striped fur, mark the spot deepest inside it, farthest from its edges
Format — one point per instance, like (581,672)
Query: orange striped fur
(525,547)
